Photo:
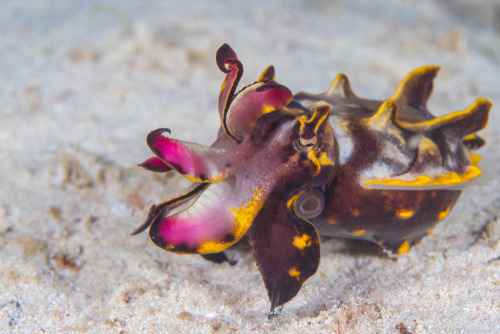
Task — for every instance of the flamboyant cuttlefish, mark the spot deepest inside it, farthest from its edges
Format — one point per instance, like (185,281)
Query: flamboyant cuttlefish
(286,168)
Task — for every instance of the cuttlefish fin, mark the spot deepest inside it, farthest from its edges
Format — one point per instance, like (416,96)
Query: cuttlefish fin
(196,162)
(216,220)
(428,173)
(286,249)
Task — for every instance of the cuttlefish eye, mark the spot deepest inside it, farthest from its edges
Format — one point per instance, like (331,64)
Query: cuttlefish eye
(305,145)
(310,205)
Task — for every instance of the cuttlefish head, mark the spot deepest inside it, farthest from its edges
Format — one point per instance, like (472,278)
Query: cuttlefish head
(263,176)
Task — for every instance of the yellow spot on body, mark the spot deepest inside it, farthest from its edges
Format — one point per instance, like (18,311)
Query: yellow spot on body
(404,248)
(294,273)
(359,232)
(443,214)
(429,231)
(404,213)
(332,221)
(302,242)
(355,212)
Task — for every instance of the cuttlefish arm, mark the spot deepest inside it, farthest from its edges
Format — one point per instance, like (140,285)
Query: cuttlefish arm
(286,249)
(253,101)
(216,220)
(196,162)
(228,62)
(238,111)
(155,164)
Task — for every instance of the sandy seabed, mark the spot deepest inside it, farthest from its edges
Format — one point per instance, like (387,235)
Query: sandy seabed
(83,82)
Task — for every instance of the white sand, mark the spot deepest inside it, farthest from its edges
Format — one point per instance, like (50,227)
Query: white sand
(83,82)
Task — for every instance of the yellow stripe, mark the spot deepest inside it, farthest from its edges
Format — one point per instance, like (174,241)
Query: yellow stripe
(316,163)
(448,179)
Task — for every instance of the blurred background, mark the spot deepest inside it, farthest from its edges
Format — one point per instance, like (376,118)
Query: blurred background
(83,82)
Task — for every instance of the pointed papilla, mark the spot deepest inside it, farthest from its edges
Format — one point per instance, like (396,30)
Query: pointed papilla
(267,75)
(340,87)
(416,88)
(385,115)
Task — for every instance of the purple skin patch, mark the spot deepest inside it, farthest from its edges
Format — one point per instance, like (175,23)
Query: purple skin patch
(287,168)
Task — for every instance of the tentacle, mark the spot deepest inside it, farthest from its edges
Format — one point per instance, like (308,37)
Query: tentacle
(196,162)
(252,102)
(216,220)
(155,164)
(168,205)
(286,249)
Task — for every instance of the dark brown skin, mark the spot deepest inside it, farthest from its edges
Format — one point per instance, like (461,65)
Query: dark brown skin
(395,219)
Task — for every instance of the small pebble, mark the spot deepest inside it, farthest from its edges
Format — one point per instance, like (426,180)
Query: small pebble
(185,316)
